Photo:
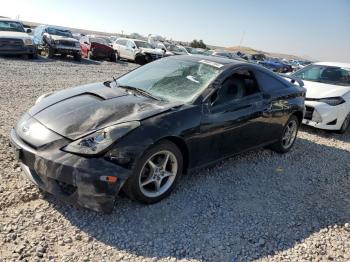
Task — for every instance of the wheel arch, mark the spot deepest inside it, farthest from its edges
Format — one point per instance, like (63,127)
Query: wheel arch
(299,115)
(181,144)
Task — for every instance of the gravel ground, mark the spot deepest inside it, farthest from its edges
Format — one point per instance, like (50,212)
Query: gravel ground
(255,206)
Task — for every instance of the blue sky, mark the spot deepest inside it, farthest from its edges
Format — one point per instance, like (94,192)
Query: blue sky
(317,28)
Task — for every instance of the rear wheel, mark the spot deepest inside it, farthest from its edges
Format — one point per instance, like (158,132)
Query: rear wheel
(289,134)
(345,125)
(113,57)
(155,174)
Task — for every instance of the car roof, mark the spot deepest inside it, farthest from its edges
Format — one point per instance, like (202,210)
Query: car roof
(337,64)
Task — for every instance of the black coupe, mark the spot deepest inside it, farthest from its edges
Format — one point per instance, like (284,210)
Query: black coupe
(140,132)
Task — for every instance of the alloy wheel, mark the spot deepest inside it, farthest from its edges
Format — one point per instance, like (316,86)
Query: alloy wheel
(290,133)
(158,174)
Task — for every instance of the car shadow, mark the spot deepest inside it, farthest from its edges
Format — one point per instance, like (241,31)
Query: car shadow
(247,207)
(327,134)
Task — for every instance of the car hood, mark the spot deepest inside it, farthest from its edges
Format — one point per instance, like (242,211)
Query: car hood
(321,90)
(58,37)
(19,35)
(76,112)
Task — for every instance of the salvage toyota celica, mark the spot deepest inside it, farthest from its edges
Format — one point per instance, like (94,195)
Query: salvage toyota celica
(140,132)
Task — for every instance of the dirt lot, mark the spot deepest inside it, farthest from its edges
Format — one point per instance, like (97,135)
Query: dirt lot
(255,206)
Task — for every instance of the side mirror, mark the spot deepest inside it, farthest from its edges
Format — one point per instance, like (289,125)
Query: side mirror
(28,30)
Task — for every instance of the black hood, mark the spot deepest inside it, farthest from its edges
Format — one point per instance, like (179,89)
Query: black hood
(78,111)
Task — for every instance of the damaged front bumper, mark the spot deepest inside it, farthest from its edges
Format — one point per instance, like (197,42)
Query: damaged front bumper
(72,178)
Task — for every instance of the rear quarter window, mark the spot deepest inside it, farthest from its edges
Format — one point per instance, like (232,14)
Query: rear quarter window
(269,83)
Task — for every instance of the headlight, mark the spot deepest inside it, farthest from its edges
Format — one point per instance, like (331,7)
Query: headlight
(100,140)
(28,41)
(332,101)
(77,44)
(56,42)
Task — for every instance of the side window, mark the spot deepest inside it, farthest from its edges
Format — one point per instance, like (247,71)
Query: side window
(130,44)
(268,83)
(240,84)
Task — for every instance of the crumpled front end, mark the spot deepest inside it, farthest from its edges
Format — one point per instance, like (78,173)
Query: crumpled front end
(72,178)
(324,116)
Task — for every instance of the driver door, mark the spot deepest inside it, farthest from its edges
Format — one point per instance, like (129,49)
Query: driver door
(231,123)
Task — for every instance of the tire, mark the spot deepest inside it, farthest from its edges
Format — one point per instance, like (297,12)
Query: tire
(49,52)
(345,125)
(113,58)
(33,56)
(90,55)
(77,57)
(282,146)
(140,59)
(142,184)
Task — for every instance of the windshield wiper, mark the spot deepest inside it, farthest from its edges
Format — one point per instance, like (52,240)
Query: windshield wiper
(140,91)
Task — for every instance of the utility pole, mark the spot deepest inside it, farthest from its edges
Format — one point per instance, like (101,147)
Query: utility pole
(242,38)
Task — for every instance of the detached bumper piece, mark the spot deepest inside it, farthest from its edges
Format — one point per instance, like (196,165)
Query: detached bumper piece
(92,183)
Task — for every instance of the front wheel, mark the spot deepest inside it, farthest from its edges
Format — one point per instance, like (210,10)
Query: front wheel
(155,174)
(48,52)
(345,125)
(289,134)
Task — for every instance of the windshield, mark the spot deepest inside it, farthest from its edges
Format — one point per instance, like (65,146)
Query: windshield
(172,79)
(325,74)
(99,40)
(142,44)
(59,32)
(11,26)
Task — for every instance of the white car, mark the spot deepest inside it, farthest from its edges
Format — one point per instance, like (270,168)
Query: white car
(15,40)
(327,99)
(136,50)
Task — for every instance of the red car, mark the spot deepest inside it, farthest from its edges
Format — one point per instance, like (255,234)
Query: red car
(96,48)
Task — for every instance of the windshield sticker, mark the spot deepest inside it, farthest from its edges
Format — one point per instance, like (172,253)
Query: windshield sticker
(217,65)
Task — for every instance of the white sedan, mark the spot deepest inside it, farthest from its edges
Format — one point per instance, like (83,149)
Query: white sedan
(327,100)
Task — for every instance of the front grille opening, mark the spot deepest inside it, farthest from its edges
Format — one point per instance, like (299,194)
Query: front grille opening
(66,189)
